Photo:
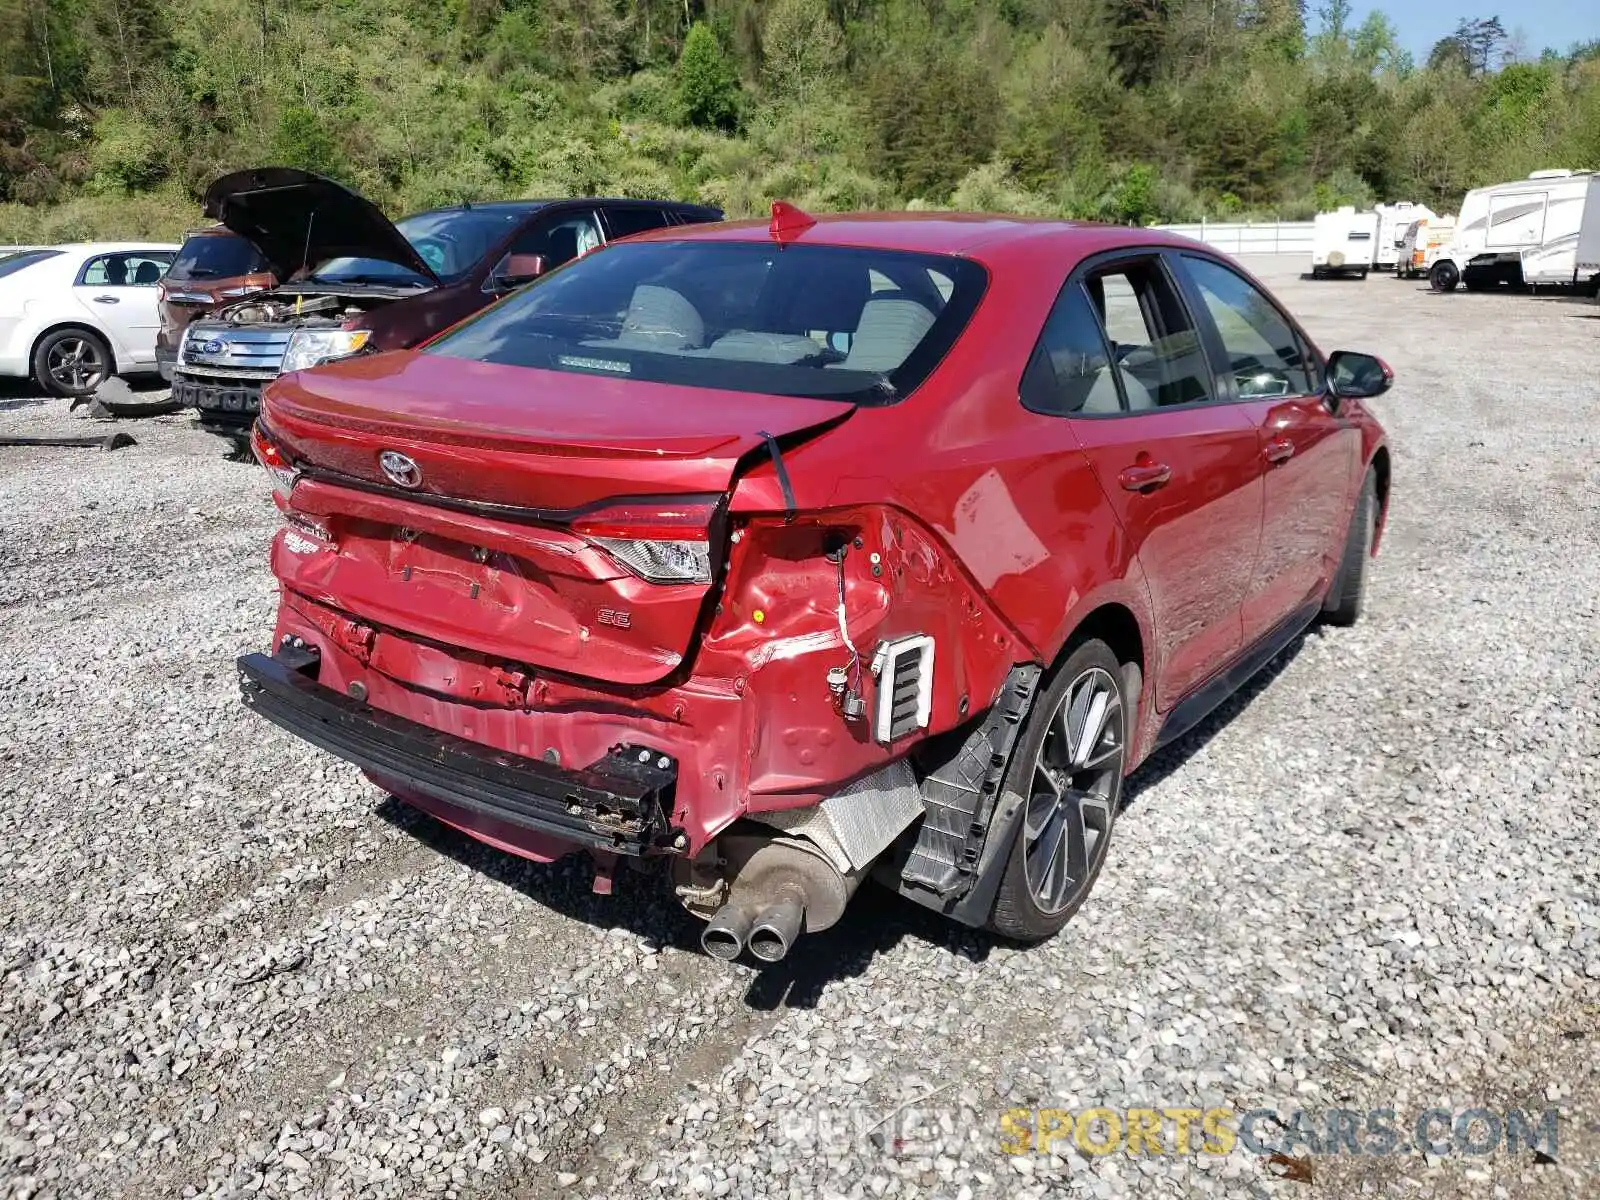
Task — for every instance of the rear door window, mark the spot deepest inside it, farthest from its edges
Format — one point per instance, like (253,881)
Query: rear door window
(1156,349)
(142,269)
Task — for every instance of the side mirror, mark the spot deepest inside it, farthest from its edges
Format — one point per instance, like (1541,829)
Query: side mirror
(1358,376)
(516,270)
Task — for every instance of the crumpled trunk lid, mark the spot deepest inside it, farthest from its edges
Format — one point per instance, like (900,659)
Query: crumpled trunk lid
(489,548)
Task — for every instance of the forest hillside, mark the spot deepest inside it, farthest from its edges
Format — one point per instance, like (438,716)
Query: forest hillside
(114,114)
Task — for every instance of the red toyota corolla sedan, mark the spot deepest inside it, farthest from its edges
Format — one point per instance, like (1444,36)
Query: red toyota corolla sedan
(791,554)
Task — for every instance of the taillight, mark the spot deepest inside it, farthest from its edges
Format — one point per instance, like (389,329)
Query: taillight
(659,541)
(283,472)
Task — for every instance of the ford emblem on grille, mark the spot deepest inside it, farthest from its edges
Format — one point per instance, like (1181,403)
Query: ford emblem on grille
(400,469)
(213,346)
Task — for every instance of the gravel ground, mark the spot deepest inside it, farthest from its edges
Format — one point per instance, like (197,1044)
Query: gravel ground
(231,966)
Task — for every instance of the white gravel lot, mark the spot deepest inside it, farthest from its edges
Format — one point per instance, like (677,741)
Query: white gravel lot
(230,966)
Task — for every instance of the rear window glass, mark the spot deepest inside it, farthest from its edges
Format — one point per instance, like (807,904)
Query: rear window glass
(825,321)
(12,263)
(216,256)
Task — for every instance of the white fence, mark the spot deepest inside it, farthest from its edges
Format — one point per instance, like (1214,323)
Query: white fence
(1243,237)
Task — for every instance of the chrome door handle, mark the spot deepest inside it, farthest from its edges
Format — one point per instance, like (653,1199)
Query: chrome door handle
(1144,476)
(107,300)
(1279,450)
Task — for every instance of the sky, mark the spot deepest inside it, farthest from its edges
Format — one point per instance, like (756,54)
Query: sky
(1554,23)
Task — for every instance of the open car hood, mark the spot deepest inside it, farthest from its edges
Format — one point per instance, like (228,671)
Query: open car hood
(298,219)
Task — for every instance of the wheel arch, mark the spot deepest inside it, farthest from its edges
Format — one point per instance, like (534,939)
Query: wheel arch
(1119,627)
(88,327)
(1379,466)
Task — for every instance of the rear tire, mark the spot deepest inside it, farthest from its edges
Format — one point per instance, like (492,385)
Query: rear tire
(71,362)
(1347,593)
(1068,765)
(1444,277)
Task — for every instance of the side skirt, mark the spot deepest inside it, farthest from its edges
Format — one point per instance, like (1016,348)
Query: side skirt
(1198,704)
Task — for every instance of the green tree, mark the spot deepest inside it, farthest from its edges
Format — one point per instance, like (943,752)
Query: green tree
(1058,99)
(1331,44)
(303,141)
(132,39)
(1376,46)
(127,153)
(1233,139)
(1139,38)
(1472,46)
(934,117)
(1278,27)
(1133,198)
(708,86)
(801,48)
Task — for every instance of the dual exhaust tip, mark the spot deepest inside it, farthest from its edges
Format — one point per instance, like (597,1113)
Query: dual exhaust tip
(768,932)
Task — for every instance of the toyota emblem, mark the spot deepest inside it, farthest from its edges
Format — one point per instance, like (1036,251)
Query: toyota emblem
(400,469)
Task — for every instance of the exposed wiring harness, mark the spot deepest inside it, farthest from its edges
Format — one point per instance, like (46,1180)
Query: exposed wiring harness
(854,666)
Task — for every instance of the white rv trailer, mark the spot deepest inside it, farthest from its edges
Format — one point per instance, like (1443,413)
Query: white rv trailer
(1343,242)
(1524,232)
(1588,252)
(1393,221)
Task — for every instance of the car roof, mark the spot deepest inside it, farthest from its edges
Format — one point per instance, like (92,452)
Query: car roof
(486,206)
(109,247)
(927,232)
(534,205)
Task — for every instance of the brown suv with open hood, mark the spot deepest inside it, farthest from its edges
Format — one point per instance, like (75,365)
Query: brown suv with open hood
(214,266)
(356,283)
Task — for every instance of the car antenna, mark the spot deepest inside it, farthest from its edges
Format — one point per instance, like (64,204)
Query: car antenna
(788,222)
(305,253)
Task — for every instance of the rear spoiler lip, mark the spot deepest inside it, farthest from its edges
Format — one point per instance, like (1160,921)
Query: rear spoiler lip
(516,514)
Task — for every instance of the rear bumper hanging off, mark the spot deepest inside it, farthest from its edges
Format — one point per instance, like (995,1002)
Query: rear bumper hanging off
(619,804)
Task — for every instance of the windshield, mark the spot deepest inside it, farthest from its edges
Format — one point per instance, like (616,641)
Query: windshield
(216,256)
(824,321)
(450,242)
(10,264)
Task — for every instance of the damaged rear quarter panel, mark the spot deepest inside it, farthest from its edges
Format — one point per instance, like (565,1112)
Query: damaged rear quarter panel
(776,635)
(996,530)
